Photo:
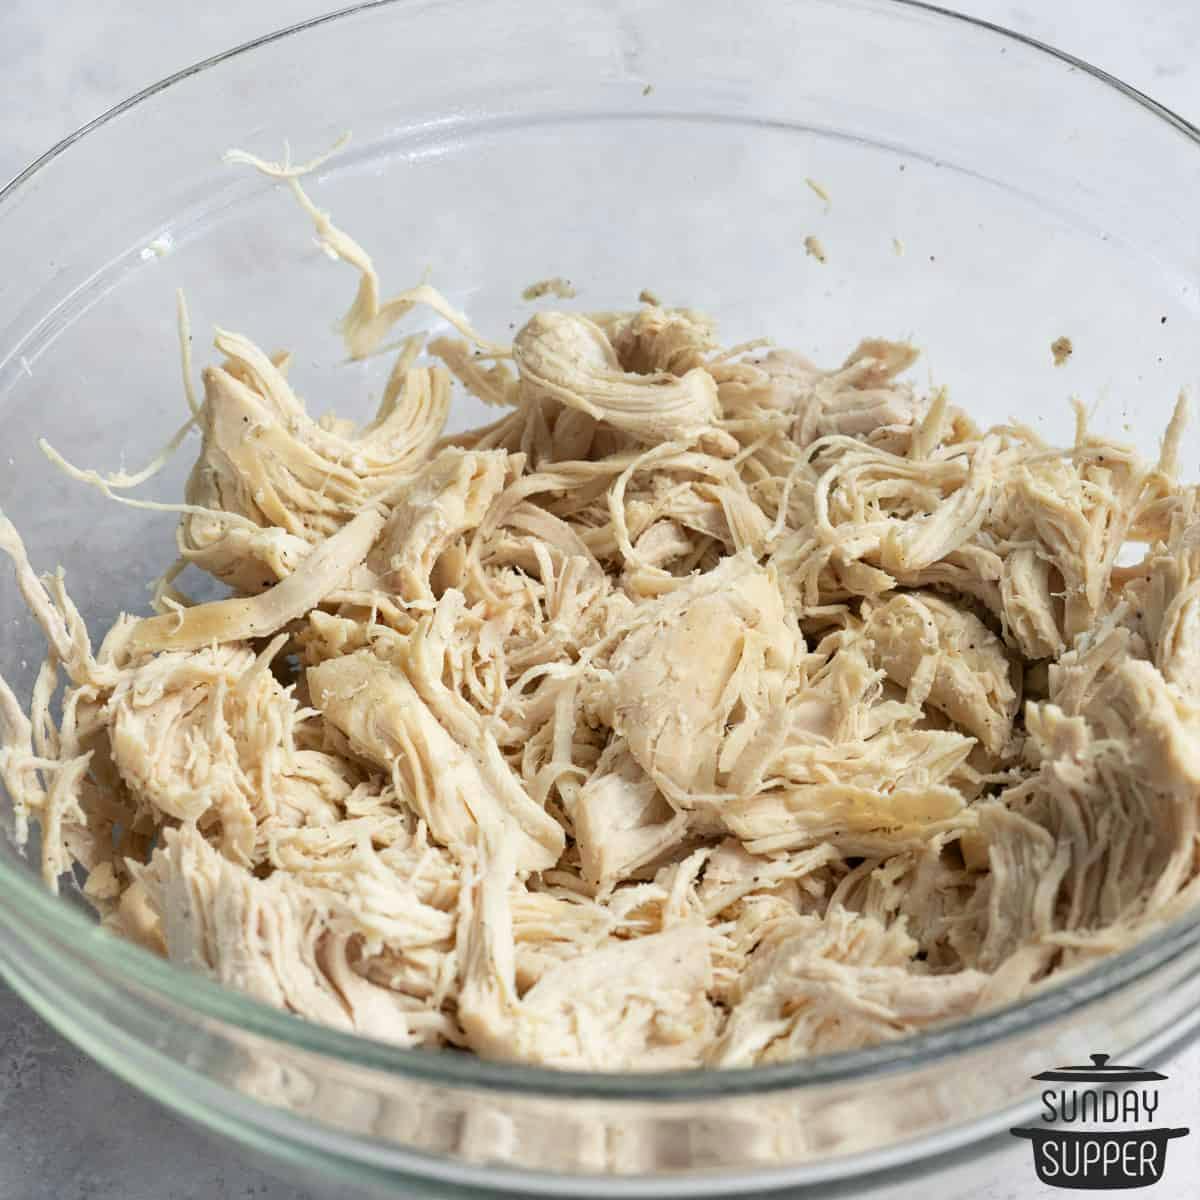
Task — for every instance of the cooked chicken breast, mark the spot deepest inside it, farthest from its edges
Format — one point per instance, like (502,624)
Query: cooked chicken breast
(708,708)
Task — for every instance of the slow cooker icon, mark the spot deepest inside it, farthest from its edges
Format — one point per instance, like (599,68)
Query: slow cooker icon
(1094,1132)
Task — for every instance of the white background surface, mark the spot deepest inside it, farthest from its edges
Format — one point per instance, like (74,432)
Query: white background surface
(68,1130)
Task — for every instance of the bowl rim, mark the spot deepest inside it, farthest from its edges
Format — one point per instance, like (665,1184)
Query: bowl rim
(27,906)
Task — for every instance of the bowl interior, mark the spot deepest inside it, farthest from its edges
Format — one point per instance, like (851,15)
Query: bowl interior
(982,197)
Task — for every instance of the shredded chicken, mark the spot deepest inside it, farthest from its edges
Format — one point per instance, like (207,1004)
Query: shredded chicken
(708,708)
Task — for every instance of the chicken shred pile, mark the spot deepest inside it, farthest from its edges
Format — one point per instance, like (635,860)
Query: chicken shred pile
(706,709)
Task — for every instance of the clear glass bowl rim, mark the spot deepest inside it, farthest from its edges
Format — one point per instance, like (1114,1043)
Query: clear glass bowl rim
(73,936)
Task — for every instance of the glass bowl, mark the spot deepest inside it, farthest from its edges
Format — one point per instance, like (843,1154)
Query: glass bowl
(985,196)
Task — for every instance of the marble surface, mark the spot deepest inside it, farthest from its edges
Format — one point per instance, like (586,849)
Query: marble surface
(68,1129)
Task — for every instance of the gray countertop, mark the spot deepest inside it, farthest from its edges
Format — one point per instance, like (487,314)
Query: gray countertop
(68,1129)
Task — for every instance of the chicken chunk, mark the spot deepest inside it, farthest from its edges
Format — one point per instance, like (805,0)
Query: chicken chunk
(947,657)
(455,789)
(697,676)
